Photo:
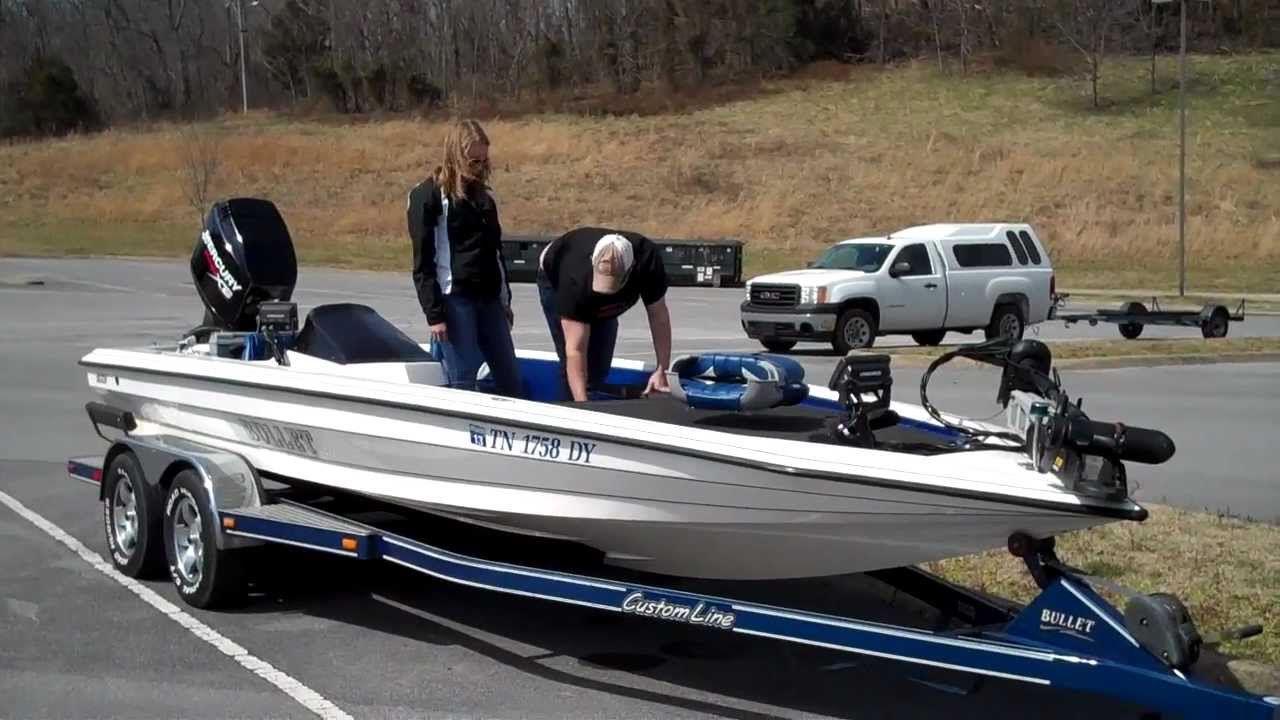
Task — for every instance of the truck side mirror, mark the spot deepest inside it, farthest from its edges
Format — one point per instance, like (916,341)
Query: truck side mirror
(900,268)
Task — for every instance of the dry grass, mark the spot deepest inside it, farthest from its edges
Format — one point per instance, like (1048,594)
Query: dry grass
(1225,569)
(801,164)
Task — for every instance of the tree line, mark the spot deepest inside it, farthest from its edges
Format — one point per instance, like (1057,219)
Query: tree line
(79,64)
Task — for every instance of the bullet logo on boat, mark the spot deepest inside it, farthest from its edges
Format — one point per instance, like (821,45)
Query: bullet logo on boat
(285,438)
(218,270)
(702,613)
(1067,623)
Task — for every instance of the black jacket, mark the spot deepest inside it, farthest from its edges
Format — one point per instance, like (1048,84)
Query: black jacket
(472,242)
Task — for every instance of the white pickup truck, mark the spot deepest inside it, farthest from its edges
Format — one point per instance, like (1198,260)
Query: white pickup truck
(922,281)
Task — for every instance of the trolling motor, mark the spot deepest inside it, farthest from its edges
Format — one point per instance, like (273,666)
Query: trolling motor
(1057,435)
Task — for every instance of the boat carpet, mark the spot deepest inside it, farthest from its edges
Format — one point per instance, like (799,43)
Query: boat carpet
(795,422)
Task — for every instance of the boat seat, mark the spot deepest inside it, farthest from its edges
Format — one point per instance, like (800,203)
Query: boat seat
(737,381)
(350,333)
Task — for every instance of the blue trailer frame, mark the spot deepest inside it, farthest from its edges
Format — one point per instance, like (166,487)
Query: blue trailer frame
(1068,637)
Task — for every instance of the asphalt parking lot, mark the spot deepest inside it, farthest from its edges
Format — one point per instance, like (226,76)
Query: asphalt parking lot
(380,642)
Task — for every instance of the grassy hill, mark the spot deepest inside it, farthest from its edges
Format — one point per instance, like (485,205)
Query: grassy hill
(788,169)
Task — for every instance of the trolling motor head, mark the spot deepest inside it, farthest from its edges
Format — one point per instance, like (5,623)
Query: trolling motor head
(1027,367)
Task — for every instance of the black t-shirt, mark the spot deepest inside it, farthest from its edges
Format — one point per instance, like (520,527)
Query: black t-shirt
(566,267)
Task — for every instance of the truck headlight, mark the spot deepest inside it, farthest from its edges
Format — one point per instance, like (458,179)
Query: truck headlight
(813,295)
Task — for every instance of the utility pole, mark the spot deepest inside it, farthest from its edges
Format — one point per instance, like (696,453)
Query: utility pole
(1182,142)
(244,86)
(1182,153)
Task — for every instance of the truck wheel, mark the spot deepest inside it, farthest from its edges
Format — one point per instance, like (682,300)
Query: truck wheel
(1131,331)
(1216,325)
(131,518)
(1006,322)
(854,330)
(204,575)
(778,346)
(930,338)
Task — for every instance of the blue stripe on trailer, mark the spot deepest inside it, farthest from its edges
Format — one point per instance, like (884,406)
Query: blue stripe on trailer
(324,539)
(1068,637)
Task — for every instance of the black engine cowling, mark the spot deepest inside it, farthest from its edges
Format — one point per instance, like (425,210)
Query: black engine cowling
(244,256)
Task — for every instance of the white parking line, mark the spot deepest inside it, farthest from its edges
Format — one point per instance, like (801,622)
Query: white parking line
(304,695)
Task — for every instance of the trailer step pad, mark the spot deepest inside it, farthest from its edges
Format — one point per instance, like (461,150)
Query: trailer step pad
(301,526)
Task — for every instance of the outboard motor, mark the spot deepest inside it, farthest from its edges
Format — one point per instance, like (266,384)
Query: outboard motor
(244,257)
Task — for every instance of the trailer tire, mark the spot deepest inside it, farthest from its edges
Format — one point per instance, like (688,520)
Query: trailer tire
(205,575)
(1215,326)
(1131,331)
(131,518)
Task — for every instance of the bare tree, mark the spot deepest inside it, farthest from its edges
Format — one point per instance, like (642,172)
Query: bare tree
(1086,25)
(200,160)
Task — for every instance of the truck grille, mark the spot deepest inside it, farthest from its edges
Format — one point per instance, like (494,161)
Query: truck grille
(775,295)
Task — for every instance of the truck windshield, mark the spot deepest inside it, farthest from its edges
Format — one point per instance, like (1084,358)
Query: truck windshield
(867,257)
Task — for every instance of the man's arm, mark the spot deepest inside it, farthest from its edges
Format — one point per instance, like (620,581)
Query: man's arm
(576,335)
(660,331)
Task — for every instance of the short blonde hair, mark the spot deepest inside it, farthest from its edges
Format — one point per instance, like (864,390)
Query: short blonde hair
(458,172)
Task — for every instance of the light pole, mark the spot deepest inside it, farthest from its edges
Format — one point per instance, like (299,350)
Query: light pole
(1182,142)
(1182,150)
(244,85)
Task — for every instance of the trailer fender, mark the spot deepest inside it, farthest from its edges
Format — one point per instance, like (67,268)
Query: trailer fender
(229,481)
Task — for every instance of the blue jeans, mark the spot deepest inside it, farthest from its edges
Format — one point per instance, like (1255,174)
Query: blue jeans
(479,333)
(600,344)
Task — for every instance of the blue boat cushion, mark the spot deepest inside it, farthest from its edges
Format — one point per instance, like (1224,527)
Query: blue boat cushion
(737,381)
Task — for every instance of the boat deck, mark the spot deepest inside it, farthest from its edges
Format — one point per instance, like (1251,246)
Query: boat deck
(805,423)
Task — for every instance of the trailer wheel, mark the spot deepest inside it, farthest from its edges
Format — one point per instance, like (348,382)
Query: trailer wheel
(1131,331)
(929,338)
(1216,325)
(778,346)
(131,518)
(855,329)
(205,575)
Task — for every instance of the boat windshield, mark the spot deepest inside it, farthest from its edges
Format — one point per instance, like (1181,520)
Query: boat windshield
(867,257)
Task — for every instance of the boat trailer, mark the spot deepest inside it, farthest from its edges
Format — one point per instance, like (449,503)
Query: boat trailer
(198,509)
(1213,319)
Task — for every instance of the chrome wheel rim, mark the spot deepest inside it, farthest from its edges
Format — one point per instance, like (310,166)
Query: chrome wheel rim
(124,515)
(857,332)
(188,544)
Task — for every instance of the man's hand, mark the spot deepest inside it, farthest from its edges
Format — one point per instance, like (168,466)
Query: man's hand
(440,332)
(511,317)
(657,383)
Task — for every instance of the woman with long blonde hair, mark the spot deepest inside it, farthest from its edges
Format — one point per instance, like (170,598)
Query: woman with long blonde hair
(458,267)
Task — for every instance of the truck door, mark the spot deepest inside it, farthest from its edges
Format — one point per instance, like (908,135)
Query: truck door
(917,298)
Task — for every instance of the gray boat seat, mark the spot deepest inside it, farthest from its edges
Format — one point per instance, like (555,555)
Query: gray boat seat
(737,381)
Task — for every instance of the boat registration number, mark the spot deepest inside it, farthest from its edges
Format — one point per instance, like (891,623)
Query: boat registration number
(537,445)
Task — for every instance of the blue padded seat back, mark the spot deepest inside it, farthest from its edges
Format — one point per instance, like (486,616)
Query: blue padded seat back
(737,381)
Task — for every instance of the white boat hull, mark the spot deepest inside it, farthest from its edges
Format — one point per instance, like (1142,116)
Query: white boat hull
(702,512)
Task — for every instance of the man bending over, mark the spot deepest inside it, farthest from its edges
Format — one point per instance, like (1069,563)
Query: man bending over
(586,279)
